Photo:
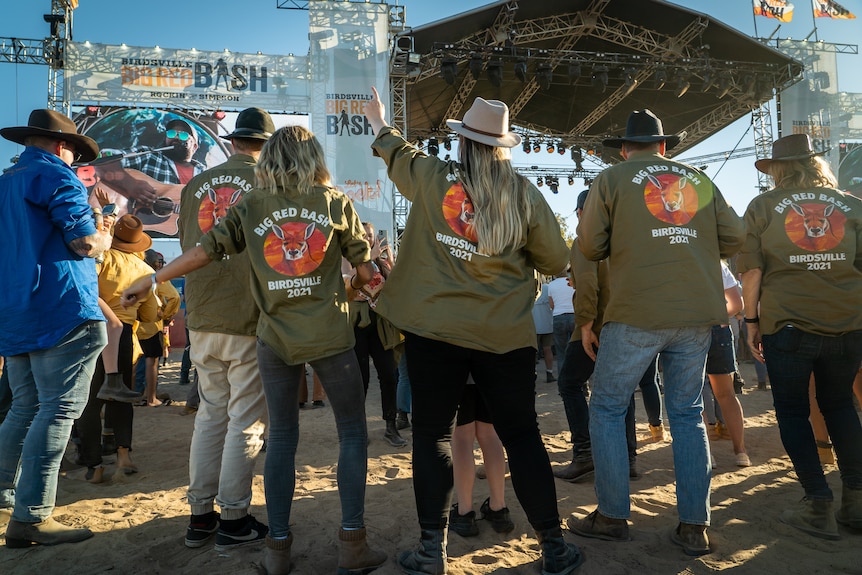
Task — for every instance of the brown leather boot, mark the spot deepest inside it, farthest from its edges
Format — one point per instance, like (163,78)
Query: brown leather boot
(850,512)
(598,526)
(692,538)
(355,557)
(814,516)
(47,532)
(276,555)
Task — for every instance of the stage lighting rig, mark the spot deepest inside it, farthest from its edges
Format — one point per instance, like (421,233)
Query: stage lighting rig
(476,65)
(521,69)
(449,70)
(544,75)
(682,83)
(574,71)
(660,77)
(526,146)
(725,83)
(433,147)
(495,72)
(550,147)
(600,78)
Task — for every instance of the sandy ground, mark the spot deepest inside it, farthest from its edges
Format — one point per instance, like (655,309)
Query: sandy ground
(140,520)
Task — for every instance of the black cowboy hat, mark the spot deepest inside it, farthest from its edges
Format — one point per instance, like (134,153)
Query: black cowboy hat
(644,126)
(53,124)
(792,147)
(252,123)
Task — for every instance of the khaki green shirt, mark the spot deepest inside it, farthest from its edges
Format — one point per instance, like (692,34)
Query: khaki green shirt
(442,288)
(590,280)
(295,243)
(217,296)
(663,226)
(808,245)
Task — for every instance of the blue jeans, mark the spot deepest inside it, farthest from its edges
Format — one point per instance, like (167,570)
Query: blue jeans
(340,377)
(791,356)
(405,398)
(49,391)
(564,325)
(623,357)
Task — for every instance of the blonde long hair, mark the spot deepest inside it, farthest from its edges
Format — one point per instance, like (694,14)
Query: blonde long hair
(498,193)
(811,172)
(292,157)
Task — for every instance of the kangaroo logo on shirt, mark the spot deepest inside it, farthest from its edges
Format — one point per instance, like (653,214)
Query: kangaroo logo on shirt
(671,198)
(814,227)
(294,248)
(214,207)
(459,213)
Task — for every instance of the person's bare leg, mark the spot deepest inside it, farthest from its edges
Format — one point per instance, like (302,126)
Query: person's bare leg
(549,357)
(115,330)
(152,380)
(495,463)
(818,426)
(464,466)
(731,409)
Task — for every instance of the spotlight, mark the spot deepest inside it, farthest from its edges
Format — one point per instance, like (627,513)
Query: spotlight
(571,180)
(561,149)
(682,83)
(554,184)
(521,69)
(660,77)
(476,65)
(629,80)
(219,115)
(449,70)
(540,182)
(748,82)
(709,80)
(550,147)
(433,147)
(544,75)
(600,78)
(574,71)
(725,83)
(495,72)
(537,147)
(525,145)
(92,110)
(447,143)
(577,157)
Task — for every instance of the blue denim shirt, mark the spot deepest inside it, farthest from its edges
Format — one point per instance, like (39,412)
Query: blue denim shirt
(47,289)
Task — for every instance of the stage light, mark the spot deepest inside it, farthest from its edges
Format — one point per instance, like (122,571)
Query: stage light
(682,83)
(495,72)
(554,184)
(447,144)
(629,80)
(476,65)
(433,147)
(537,147)
(219,115)
(540,182)
(600,78)
(574,71)
(521,69)
(526,146)
(578,158)
(725,83)
(748,82)
(92,110)
(660,77)
(550,147)
(709,80)
(449,70)
(544,75)
(561,149)
(571,180)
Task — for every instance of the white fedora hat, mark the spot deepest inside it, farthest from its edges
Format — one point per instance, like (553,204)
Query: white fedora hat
(487,122)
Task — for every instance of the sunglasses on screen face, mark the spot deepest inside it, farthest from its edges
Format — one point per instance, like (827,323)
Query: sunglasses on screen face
(176,134)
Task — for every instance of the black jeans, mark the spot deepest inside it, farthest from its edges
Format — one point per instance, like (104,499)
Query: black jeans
(368,345)
(438,373)
(118,414)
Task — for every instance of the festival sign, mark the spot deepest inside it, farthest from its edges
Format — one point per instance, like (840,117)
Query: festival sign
(349,53)
(189,79)
(778,9)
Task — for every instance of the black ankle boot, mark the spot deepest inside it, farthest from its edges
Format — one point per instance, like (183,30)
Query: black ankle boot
(392,436)
(558,556)
(429,558)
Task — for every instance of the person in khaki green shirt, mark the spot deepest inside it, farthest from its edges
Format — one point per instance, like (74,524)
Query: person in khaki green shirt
(801,271)
(123,264)
(296,228)
(463,293)
(663,226)
(150,334)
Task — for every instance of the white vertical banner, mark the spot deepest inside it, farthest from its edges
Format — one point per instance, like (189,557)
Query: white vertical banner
(811,106)
(349,52)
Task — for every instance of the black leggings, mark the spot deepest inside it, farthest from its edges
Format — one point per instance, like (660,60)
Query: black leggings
(368,345)
(438,373)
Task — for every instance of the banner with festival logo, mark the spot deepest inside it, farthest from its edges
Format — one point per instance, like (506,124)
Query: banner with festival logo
(186,79)
(831,9)
(778,9)
(349,53)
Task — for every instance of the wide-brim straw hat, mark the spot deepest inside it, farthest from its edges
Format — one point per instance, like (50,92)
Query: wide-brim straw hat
(53,124)
(129,235)
(253,123)
(793,147)
(644,126)
(486,122)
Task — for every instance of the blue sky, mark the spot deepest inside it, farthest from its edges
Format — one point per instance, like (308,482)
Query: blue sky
(258,25)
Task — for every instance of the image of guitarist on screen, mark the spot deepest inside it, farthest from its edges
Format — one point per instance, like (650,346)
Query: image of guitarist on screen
(151,179)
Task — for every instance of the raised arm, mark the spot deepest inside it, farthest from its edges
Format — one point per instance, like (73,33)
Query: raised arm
(190,261)
(375,112)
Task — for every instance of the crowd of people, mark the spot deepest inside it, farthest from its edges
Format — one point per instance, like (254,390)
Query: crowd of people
(281,273)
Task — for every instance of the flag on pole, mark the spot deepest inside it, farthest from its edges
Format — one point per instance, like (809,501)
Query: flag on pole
(779,9)
(831,9)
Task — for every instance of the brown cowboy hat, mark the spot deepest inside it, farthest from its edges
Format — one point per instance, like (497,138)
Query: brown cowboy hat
(53,125)
(487,122)
(644,126)
(793,147)
(253,123)
(129,235)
